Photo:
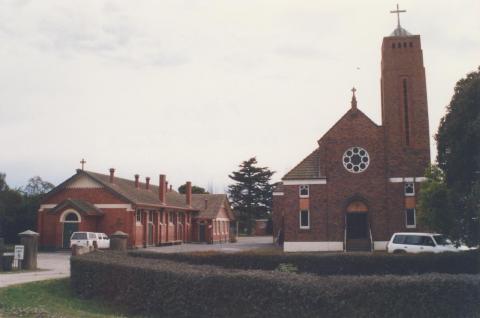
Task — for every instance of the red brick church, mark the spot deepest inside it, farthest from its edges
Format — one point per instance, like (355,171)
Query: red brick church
(151,215)
(361,183)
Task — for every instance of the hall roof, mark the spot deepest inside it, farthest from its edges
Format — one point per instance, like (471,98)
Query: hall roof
(212,206)
(140,196)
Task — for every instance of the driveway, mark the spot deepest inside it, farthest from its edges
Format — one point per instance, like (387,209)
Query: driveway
(51,265)
(243,243)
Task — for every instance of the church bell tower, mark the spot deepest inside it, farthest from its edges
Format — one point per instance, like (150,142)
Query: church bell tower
(404,103)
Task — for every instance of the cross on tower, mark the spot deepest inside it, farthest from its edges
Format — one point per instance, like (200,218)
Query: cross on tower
(354,90)
(83,162)
(398,11)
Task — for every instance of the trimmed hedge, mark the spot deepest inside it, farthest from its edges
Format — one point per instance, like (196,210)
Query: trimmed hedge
(333,264)
(164,288)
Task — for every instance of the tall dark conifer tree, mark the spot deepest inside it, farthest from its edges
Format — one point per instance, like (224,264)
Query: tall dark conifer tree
(251,194)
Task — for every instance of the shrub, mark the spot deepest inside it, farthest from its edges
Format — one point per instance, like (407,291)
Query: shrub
(164,288)
(334,264)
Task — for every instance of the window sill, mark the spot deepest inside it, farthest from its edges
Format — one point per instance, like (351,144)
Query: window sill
(304,196)
(411,226)
(305,228)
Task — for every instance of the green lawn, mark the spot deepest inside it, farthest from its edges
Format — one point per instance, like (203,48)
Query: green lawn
(51,298)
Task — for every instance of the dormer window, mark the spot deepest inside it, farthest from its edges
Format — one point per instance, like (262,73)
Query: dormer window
(304,191)
(409,189)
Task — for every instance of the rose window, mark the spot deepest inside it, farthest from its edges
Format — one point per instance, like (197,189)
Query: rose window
(356,159)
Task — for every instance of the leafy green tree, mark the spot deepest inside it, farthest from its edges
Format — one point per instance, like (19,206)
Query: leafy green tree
(458,137)
(18,207)
(251,194)
(195,189)
(436,208)
(37,186)
(458,146)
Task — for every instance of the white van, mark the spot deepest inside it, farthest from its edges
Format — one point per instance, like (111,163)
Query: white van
(410,242)
(88,239)
(103,240)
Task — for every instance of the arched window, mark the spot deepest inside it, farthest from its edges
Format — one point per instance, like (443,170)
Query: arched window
(72,217)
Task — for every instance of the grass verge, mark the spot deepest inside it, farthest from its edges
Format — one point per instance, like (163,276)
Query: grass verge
(51,298)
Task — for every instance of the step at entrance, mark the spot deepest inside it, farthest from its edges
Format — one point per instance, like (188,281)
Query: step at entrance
(358,245)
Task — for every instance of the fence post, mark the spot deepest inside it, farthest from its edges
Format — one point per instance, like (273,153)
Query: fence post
(118,241)
(29,240)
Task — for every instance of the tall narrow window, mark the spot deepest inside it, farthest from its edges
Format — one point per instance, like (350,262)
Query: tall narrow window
(405,112)
(410,218)
(409,189)
(304,219)
(139,216)
(304,191)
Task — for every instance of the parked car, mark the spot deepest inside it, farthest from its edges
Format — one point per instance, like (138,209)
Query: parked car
(103,240)
(89,239)
(421,242)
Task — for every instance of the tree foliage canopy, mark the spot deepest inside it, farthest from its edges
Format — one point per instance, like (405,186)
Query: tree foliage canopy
(450,199)
(195,189)
(251,194)
(18,207)
(458,137)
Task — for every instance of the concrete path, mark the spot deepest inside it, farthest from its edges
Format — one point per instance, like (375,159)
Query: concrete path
(244,243)
(52,265)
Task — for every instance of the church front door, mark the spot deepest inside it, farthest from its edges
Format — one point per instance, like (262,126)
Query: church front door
(357,226)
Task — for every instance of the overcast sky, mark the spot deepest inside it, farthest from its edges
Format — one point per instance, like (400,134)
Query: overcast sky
(192,88)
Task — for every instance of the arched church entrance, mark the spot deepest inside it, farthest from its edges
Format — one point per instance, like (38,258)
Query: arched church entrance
(71,220)
(356,227)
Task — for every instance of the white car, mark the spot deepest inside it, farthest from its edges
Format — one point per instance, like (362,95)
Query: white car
(410,242)
(89,239)
(103,240)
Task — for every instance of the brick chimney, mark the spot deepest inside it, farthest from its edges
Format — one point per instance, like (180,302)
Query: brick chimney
(112,174)
(147,183)
(171,188)
(188,193)
(137,184)
(162,188)
(206,204)
(166,186)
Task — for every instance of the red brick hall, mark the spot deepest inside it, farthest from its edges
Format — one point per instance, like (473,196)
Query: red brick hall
(360,185)
(151,215)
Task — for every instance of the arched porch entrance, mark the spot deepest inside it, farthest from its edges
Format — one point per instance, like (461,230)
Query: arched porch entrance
(357,229)
(70,220)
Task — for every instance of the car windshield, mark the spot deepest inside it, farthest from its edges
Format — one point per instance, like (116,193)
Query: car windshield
(79,236)
(442,240)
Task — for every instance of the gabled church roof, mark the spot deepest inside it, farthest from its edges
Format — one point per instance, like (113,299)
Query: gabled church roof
(308,168)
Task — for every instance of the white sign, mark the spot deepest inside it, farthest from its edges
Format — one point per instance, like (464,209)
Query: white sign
(18,252)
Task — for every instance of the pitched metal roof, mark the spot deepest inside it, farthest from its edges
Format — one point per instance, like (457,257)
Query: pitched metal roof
(139,196)
(126,189)
(211,208)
